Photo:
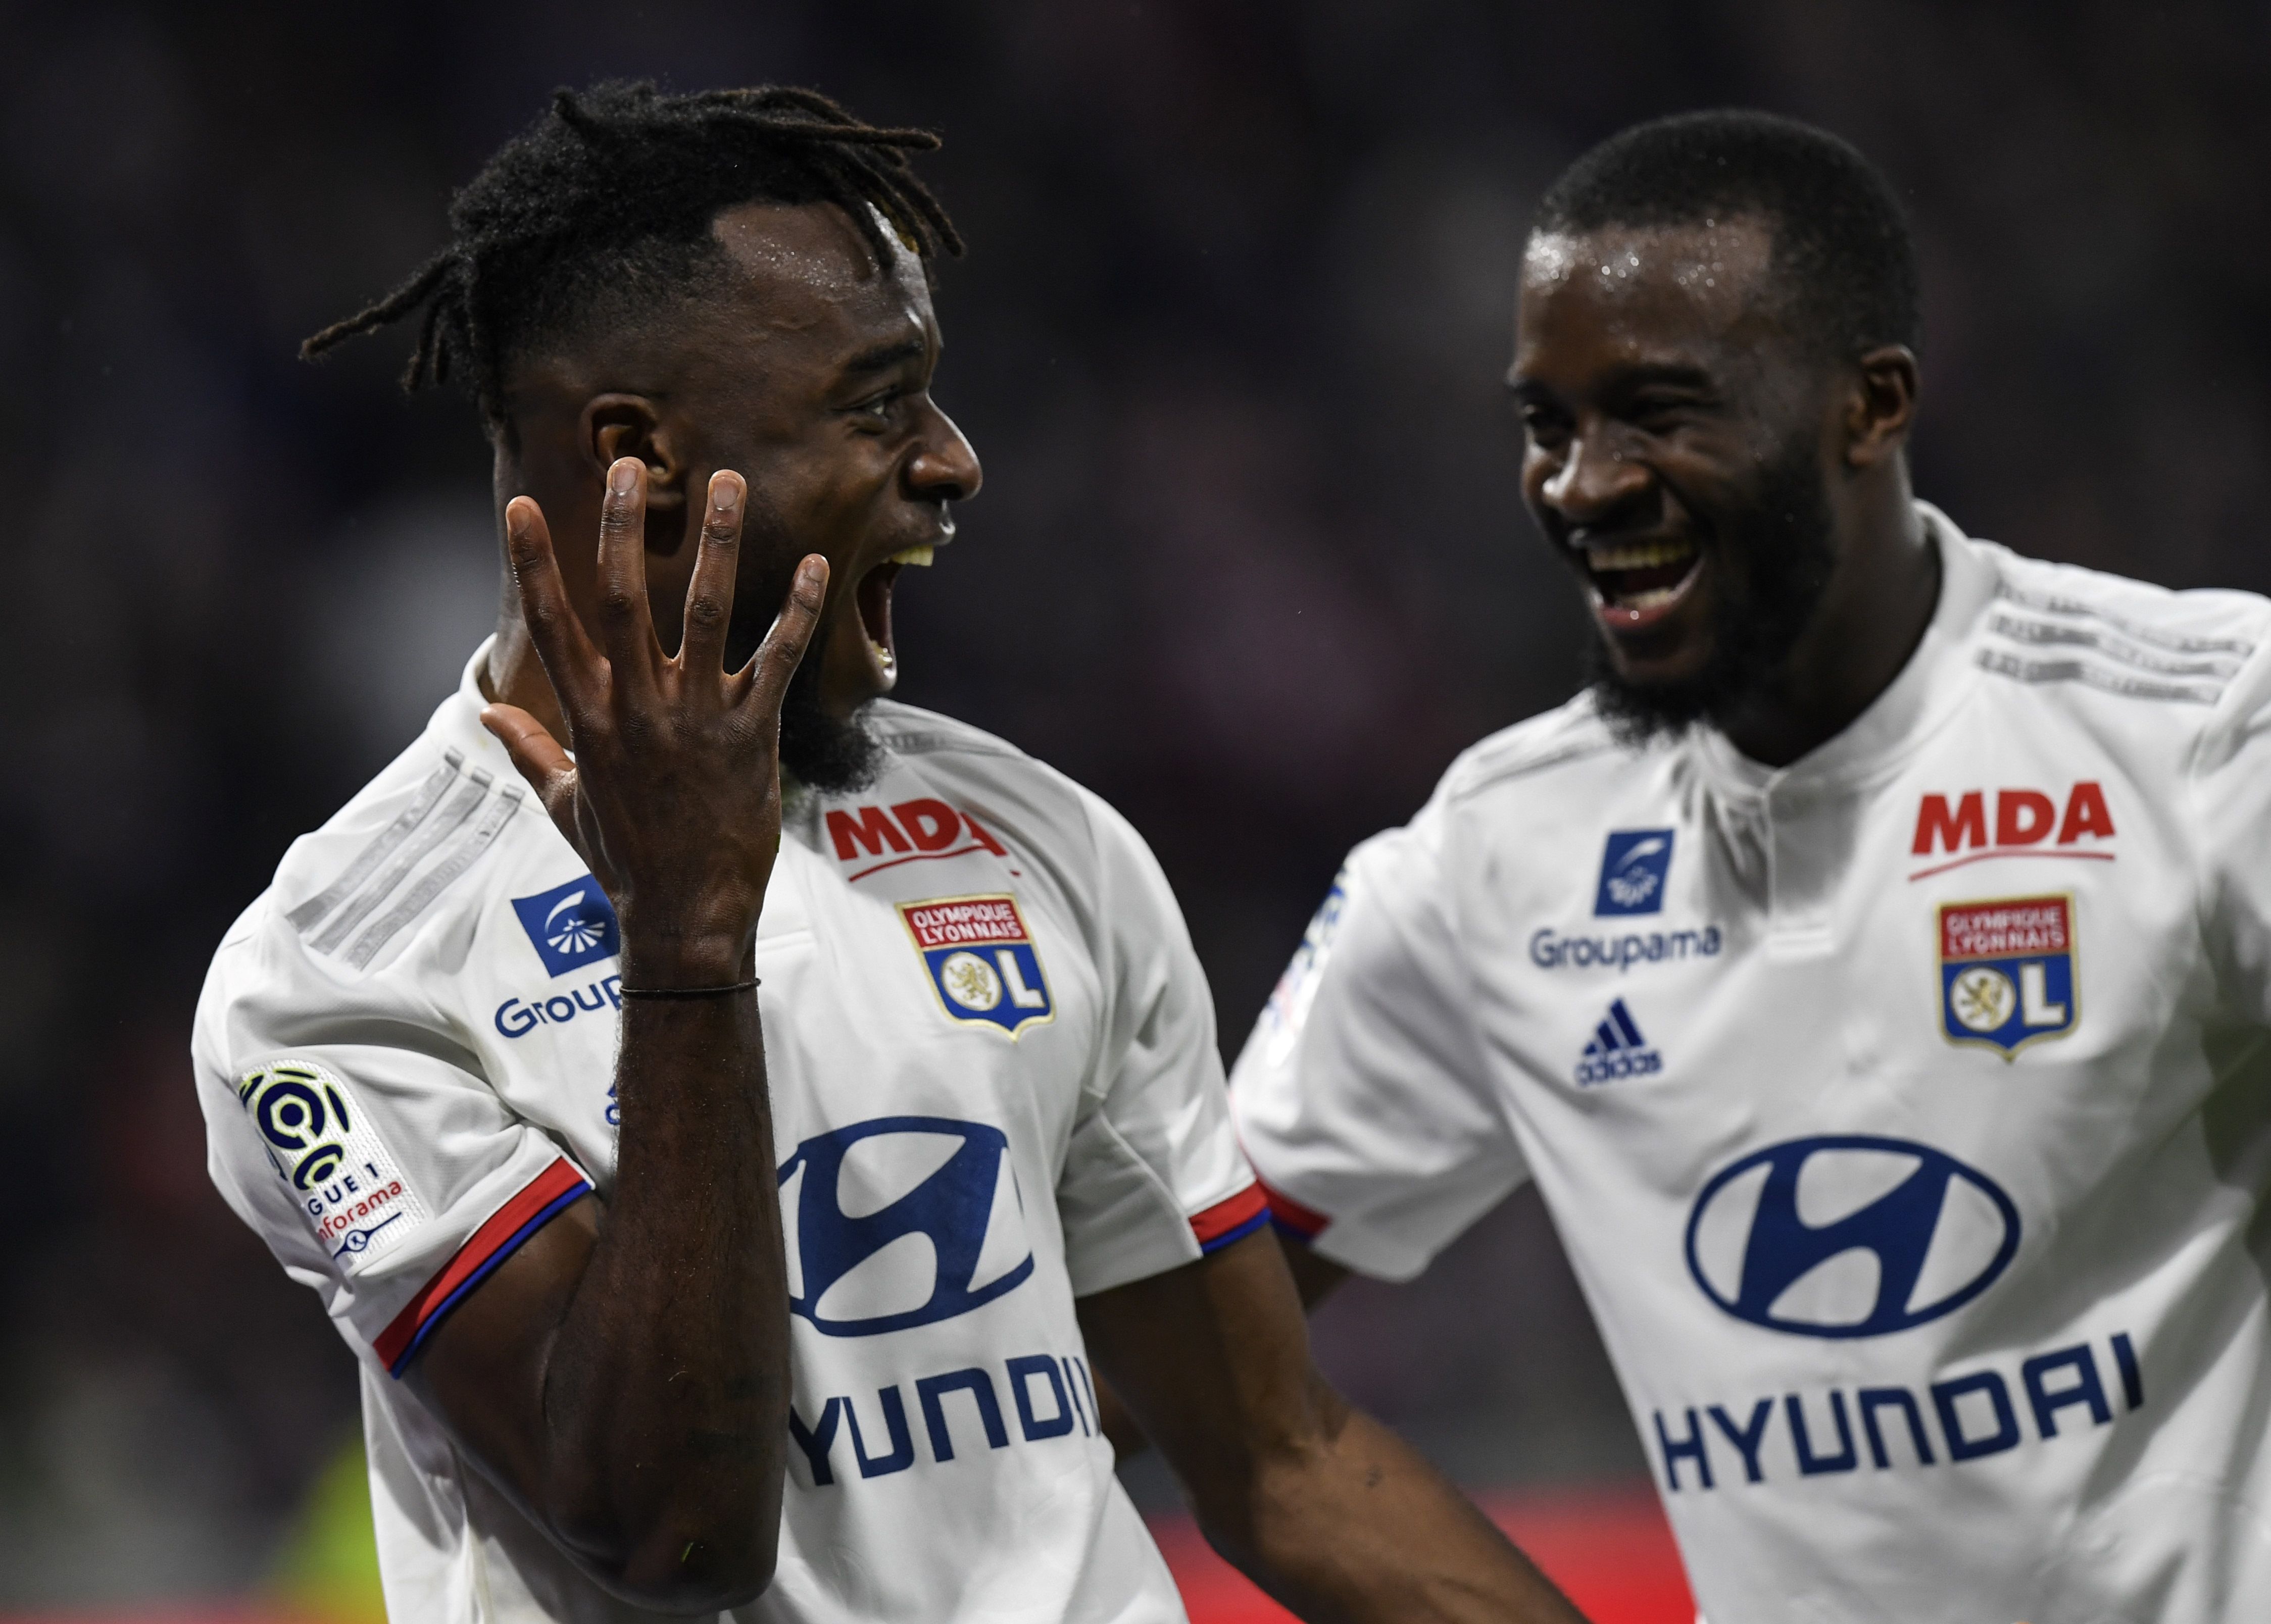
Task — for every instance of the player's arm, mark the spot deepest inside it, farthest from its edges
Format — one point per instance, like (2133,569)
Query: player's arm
(624,1374)
(1314,1277)
(1318,1503)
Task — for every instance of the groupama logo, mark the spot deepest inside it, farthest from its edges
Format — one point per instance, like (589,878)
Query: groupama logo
(1849,1235)
(1633,867)
(569,925)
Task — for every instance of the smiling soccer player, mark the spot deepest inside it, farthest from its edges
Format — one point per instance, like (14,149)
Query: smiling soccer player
(727,1179)
(1872,967)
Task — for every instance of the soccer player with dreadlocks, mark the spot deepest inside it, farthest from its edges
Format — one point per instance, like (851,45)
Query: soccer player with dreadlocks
(725,1180)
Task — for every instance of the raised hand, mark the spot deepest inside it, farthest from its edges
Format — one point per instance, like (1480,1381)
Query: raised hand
(672,795)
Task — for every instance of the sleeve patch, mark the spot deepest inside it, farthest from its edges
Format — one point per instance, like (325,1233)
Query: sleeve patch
(1288,1008)
(1304,1224)
(1231,1220)
(545,1196)
(326,1149)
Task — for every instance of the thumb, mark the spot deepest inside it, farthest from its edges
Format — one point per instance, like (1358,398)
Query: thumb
(540,760)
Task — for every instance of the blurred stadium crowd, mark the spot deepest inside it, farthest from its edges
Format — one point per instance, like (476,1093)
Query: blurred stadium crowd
(1249,560)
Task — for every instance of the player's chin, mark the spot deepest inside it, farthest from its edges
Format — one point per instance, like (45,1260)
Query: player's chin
(1667,659)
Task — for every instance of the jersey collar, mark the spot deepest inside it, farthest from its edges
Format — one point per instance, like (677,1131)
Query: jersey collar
(1918,702)
(458,719)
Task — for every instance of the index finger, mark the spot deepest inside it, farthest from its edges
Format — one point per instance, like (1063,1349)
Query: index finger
(777,657)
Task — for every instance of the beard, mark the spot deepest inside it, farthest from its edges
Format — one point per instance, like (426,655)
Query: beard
(834,755)
(1775,559)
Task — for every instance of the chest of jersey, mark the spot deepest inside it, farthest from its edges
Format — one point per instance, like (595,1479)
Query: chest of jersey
(948,991)
(1866,1112)
(2000,929)
(1844,1060)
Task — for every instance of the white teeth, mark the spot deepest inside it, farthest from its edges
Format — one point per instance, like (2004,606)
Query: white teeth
(1638,554)
(884,658)
(919,557)
(1649,599)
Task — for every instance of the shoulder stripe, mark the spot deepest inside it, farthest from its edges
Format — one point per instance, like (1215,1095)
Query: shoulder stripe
(430,796)
(2041,633)
(438,879)
(437,829)
(2177,642)
(544,1197)
(913,743)
(2097,677)
(1230,1220)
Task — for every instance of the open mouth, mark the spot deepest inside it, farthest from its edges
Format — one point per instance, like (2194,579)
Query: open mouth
(1640,580)
(874,600)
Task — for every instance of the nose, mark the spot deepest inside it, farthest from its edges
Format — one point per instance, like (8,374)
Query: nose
(1594,481)
(945,467)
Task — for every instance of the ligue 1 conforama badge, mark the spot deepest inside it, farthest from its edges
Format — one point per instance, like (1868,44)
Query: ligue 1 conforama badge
(981,960)
(2007,971)
(339,1171)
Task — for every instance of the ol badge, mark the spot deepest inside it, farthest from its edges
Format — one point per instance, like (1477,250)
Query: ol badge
(2007,971)
(981,960)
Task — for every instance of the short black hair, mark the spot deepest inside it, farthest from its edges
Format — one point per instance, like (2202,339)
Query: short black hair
(1843,248)
(603,207)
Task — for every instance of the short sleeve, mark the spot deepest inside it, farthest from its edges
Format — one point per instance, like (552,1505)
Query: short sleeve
(1362,1095)
(1153,1178)
(349,1133)
(2232,795)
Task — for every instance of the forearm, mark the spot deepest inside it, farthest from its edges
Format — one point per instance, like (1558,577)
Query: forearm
(1352,1524)
(665,1389)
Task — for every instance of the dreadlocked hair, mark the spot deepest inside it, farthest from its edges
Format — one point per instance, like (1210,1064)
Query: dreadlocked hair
(604,205)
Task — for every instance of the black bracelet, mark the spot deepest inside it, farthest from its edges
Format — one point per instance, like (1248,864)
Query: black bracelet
(689,992)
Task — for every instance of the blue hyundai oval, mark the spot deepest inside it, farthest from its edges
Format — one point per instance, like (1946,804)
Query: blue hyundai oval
(1860,1273)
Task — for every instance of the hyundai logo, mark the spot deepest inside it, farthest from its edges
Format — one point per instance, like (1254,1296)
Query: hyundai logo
(900,1221)
(1850,1235)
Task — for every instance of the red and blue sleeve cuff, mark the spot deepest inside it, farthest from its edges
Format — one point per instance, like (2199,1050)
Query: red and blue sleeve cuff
(544,1198)
(1302,1223)
(1231,1220)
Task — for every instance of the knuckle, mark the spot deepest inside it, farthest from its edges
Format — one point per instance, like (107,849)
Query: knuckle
(617,603)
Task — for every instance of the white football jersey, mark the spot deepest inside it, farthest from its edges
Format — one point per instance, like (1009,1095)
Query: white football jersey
(1905,1112)
(994,1088)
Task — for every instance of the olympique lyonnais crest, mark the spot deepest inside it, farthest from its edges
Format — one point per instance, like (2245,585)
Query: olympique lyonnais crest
(2007,971)
(981,960)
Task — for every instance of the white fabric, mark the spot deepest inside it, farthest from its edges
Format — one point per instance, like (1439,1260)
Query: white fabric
(1805,1170)
(1070,1129)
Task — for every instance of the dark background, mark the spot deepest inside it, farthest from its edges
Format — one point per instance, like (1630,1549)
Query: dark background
(1249,560)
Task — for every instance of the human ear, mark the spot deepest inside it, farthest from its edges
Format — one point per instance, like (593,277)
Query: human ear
(1882,408)
(620,426)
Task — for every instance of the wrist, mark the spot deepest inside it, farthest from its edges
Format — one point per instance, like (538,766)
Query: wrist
(661,958)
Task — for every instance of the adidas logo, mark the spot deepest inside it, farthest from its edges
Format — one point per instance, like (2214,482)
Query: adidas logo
(1618,1050)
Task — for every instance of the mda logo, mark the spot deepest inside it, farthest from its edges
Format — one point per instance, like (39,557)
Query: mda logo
(569,925)
(1633,867)
(900,1221)
(1849,1235)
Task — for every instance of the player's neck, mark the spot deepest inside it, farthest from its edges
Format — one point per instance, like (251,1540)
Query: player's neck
(1880,598)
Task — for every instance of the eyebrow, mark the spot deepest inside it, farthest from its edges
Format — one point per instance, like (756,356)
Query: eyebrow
(1626,379)
(884,357)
